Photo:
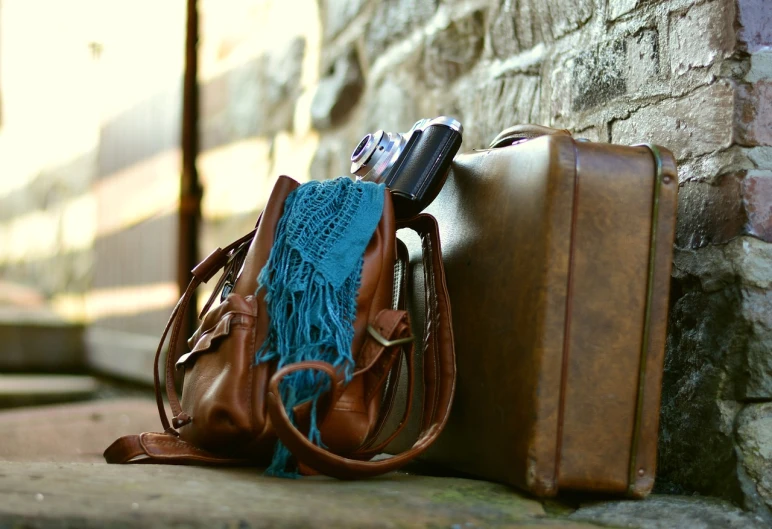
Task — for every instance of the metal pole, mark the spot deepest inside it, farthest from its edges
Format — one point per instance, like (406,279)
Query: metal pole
(190,189)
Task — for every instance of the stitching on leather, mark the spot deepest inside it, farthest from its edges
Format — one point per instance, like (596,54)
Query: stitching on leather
(568,314)
(183,450)
(433,316)
(386,333)
(206,339)
(381,424)
(349,408)
(449,334)
(187,451)
(233,316)
(437,337)
(379,374)
(384,359)
(241,321)
(251,378)
(449,331)
(428,314)
(403,257)
(148,443)
(172,444)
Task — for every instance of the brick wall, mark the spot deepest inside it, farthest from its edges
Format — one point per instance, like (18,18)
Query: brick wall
(693,76)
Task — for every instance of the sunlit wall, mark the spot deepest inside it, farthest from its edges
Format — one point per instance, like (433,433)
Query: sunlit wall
(89,165)
(258,69)
(91,96)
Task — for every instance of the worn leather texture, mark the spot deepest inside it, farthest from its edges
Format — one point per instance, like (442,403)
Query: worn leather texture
(230,411)
(548,251)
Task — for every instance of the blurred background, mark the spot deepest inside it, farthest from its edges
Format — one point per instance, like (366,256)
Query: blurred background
(137,136)
(101,206)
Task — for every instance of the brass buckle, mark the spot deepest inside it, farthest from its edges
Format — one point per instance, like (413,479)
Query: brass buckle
(378,337)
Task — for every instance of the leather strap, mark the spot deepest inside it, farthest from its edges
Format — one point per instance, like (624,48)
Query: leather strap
(408,354)
(369,448)
(232,268)
(161,448)
(439,377)
(520,133)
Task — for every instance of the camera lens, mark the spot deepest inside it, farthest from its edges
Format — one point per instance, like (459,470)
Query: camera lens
(361,146)
(376,154)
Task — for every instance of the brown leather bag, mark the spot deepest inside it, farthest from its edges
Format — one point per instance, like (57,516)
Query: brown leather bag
(231,413)
(558,255)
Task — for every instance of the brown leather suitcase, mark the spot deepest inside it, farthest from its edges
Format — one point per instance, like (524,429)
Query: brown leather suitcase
(558,255)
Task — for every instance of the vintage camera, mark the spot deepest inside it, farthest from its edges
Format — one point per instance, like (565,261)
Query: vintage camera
(413,165)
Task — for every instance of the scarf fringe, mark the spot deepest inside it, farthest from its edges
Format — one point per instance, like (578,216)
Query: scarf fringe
(311,319)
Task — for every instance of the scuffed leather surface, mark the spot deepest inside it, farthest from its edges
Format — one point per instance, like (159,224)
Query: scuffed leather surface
(611,235)
(548,283)
(217,383)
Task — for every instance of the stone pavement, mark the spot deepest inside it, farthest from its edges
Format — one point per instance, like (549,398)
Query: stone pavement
(52,476)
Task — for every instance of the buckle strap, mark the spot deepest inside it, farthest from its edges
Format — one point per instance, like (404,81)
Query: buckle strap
(159,448)
(387,343)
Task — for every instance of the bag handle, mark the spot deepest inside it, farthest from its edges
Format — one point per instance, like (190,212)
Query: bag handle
(151,447)
(526,132)
(439,377)
(202,273)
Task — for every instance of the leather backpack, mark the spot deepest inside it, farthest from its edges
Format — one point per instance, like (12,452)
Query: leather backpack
(231,411)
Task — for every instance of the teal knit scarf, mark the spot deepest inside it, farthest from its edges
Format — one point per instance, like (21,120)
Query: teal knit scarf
(311,282)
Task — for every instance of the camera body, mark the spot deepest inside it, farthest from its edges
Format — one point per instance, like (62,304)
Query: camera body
(413,165)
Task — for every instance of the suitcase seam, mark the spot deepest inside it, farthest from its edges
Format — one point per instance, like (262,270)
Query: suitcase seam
(568,318)
(656,192)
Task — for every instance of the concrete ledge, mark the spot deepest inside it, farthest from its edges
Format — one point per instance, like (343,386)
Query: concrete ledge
(25,390)
(38,341)
(121,354)
(91,495)
(52,475)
